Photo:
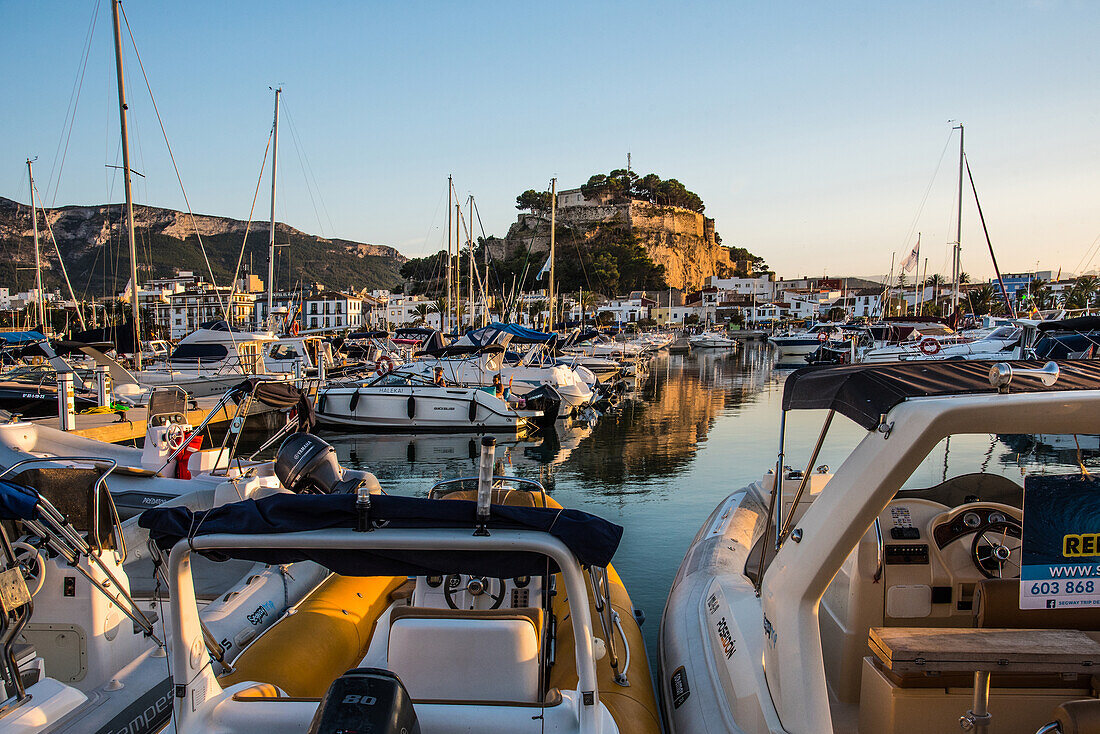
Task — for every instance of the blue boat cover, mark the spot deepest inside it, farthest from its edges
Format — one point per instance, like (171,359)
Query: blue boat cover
(21,337)
(520,334)
(592,539)
(17,502)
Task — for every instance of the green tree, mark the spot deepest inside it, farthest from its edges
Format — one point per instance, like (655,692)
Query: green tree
(739,255)
(1038,293)
(536,201)
(422,312)
(1082,292)
(981,300)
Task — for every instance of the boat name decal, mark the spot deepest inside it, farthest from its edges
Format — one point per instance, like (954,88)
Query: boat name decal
(443,407)
(728,645)
(262,612)
(679,685)
(712,603)
(148,714)
(770,632)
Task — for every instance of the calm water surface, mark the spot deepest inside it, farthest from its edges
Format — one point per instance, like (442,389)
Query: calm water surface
(702,426)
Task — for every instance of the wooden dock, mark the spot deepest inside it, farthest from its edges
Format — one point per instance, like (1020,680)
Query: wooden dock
(130,425)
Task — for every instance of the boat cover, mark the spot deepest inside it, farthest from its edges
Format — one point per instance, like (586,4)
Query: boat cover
(592,539)
(21,337)
(866,392)
(17,502)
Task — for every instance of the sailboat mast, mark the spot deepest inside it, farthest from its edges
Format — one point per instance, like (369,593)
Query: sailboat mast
(271,228)
(553,222)
(456,264)
(446,311)
(135,309)
(956,264)
(39,305)
(470,264)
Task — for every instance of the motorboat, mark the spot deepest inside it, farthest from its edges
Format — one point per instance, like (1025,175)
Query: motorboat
(83,633)
(481,355)
(484,607)
(794,345)
(172,460)
(855,602)
(212,359)
(1002,342)
(712,340)
(407,403)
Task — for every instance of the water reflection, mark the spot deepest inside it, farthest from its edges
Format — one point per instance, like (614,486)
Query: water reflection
(700,426)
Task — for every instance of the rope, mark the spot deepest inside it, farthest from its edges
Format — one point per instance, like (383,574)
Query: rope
(64,271)
(70,113)
(175,167)
(248,225)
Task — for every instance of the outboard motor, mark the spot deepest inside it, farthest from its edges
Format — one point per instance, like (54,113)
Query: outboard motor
(546,399)
(306,464)
(366,700)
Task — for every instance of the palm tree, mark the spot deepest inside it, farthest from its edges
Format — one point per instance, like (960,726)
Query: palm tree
(981,300)
(964,277)
(1082,292)
(534,308)
(588,303)
(1038,292)
(423,310)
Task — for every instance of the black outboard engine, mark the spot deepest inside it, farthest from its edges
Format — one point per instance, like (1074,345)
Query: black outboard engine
(306,464)
(546,399)
(366,700)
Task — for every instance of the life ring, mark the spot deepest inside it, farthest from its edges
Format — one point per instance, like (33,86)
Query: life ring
(294,328)
(929,346)
(36,361)
(823,336)
(385,365)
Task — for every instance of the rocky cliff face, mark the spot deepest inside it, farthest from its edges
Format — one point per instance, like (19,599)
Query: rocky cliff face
(681,240)
(90,236)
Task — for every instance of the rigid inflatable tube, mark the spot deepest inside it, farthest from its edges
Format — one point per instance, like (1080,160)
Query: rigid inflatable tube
(327,635)
(633,708)
(254,603)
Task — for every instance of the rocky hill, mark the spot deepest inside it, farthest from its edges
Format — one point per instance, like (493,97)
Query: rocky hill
(680,240)
(92,244)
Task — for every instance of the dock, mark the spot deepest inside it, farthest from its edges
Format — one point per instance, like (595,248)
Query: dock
(130,425)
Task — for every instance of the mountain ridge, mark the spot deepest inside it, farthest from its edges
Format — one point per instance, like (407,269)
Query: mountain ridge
(90,239)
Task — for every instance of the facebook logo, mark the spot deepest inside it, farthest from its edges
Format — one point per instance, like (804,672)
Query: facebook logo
(1051,604)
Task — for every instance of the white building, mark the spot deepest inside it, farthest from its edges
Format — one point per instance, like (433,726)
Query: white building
(763,287)
(332,310)
(406,311)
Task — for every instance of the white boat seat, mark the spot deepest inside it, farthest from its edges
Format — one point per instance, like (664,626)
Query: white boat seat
(466,655)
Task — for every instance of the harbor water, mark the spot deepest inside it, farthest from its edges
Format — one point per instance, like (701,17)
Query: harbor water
(701,426)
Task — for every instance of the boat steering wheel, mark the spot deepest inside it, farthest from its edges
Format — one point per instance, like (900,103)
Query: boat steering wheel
(32,564)
(996,550)
(475,586)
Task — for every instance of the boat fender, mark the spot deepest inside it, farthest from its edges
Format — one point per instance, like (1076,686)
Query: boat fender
(473,408)
(354,401)
(321,402)
(412,407)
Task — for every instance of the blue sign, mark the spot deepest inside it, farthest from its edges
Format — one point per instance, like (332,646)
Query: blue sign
(1060,565)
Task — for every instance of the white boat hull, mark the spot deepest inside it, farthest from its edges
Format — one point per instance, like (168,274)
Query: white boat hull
(405,408)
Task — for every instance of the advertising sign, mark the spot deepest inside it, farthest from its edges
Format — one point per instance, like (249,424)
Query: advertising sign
(1061,543)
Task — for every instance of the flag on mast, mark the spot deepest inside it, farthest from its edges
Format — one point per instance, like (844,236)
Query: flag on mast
(911,262)
(545,269)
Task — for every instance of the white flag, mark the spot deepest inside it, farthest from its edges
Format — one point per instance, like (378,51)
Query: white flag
(545,269)
(911,262)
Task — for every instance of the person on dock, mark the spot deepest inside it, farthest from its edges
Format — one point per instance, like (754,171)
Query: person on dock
(498,386)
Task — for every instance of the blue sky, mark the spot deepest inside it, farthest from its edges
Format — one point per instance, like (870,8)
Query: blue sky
(811,130)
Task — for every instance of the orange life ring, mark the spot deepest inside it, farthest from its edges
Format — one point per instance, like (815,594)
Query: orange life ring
(823,336)
(385,365)
(929,346)
(294,328)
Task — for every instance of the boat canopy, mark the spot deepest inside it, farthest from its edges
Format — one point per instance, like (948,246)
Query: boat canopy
(221,325)
(519,335)
(591,539)
(864,393)
(21,337)
(1080,323)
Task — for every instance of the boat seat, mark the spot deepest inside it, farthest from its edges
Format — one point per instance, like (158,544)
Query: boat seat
(495,651)
(998,606)
(72,490)
(1078,717)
